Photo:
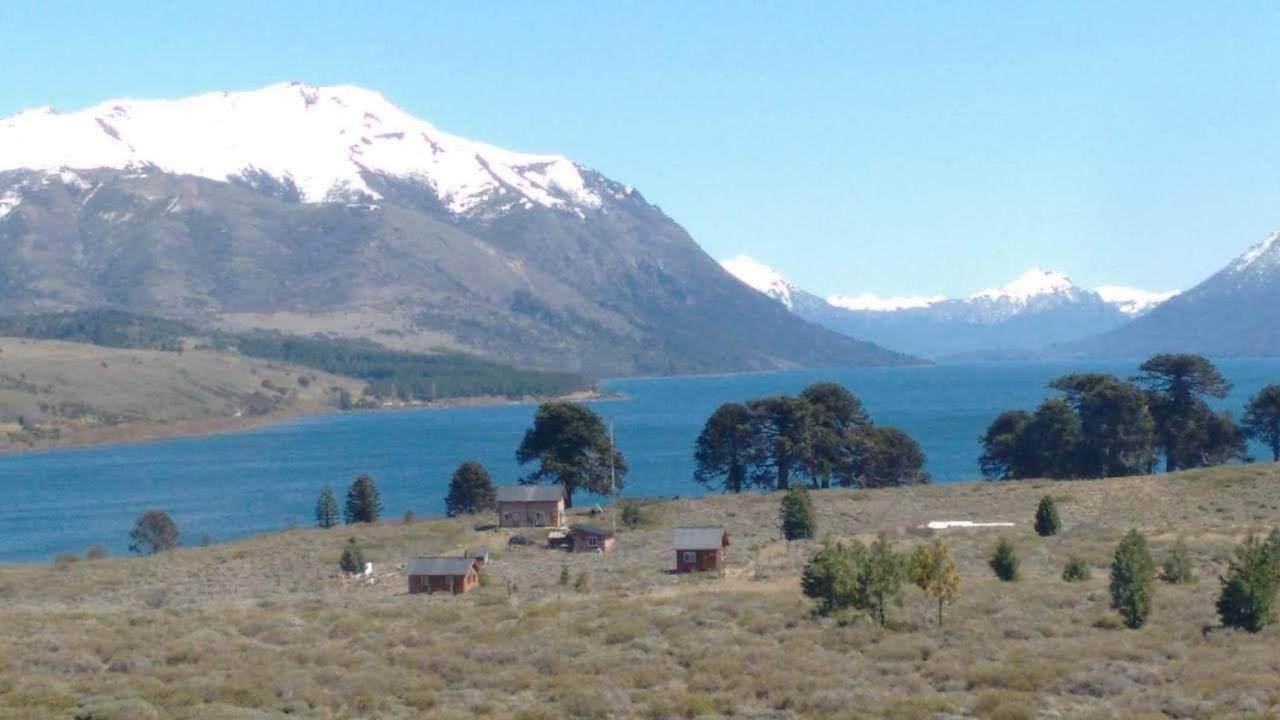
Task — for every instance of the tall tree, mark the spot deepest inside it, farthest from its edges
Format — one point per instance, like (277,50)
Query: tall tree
(1052,438)
(470,490)
(1262,419)
(1177,386)
(830,574)
(837,420)
(1002,452)
(154,532)
(1116,428)
(934,572)
(1250,586)
(890,458)
(327,514)
(572,447)
(880,581)
(1133,579)
(796,514)
(364,503)
(726,448)
(784,425)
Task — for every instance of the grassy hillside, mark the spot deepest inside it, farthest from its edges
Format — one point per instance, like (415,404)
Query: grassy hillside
(265,629)
(58,393)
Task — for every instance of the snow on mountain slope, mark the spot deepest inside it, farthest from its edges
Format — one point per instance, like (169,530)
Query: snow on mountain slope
(762,278)
(1261,258)
(874,303)
(1133,301)
(322,140)
(1034,283)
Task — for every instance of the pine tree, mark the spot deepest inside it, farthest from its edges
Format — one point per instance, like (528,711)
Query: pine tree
(327,509)
(880,580)
(1133,574)
(352,557)
(1047,522)
(934,572)
(797,514)
(1250,585)
(1004,562)
(154,532)
(829,576)
(364,505)
(470,490)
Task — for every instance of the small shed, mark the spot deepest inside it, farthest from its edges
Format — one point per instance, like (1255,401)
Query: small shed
(480,555)
(455,575)
(530,506)
(592,538)
(701,549)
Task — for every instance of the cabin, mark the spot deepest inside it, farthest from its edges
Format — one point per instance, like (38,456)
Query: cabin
(480,555)
(455,575)
(530,506)
(701,549)
(592,538)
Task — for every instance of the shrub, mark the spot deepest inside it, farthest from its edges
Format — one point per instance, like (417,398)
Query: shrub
(564,575)
(631,515)
(1004,561)
(1177,566)
(1250,585)
(583,583)
(96,552)
(1047,522)
(934,572)
(1133,574)
(352,557)
(797,514)
(867,578)
(65,560)
(408,517)
(154,532)
(1076,570)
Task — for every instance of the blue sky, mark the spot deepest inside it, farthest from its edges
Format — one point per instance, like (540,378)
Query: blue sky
(897,148)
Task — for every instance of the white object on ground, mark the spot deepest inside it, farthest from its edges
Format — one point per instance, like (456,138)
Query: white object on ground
(945,524)
(368,568)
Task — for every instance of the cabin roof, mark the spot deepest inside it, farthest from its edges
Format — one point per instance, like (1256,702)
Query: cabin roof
(699,538)
(439,566)
(594,530)
(530,493)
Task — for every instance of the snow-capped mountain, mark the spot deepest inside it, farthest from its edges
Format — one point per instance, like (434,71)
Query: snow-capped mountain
(1133,301)
(322,143)
(1038,308)
(329,209)
(1236,311)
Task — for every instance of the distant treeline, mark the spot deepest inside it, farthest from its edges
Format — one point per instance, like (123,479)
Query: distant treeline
(389,373)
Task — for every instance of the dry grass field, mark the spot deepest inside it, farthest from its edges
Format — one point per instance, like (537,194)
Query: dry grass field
(73,393)
(264,628)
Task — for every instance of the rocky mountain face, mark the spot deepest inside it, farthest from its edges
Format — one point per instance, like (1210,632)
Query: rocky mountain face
(331,210)
(1236,312)
(1038,309)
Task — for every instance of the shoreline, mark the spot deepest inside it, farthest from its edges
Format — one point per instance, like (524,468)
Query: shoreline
(155,431)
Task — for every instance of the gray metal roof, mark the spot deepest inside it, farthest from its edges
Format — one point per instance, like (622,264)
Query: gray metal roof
(698,538)
(530,493)
(594,530)
(438,566)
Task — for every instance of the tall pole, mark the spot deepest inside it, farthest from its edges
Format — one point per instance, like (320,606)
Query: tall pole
(613,480)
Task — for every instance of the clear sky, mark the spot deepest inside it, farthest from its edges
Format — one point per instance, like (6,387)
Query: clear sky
(897,147)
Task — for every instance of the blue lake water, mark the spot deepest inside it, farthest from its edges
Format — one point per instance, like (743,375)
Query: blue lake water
(229,486)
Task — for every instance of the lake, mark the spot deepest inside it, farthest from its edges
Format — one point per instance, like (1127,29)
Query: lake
(229,486)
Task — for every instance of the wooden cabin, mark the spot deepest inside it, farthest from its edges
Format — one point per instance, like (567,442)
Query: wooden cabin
(701,549)
(530,506)
(455,575)
(592,538)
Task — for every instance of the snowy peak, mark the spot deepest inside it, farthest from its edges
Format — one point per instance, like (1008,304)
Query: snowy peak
(762,278)
(1034,283)
(874,303)
(322,141)
(1133,301)
(1261,258)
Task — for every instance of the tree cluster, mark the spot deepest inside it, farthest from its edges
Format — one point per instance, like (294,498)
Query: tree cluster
(871,577)
(824,436)
(1104,426)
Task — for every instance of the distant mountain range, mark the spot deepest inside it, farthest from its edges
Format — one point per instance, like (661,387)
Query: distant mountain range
(1036,310)
(1236,312)
(330,210)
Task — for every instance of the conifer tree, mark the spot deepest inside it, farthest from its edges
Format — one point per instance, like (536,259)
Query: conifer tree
(1249,588)
(1004,562)
(1047,522)
(829,576)
(881,577)
(797,514)
(364,504)
(934,572)
(1133,574)
(154,532)
(327,514)
(470,490)
(352,557)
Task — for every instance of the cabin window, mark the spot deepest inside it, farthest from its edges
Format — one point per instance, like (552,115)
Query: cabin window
(690,557)
(592,541)
(538,517)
